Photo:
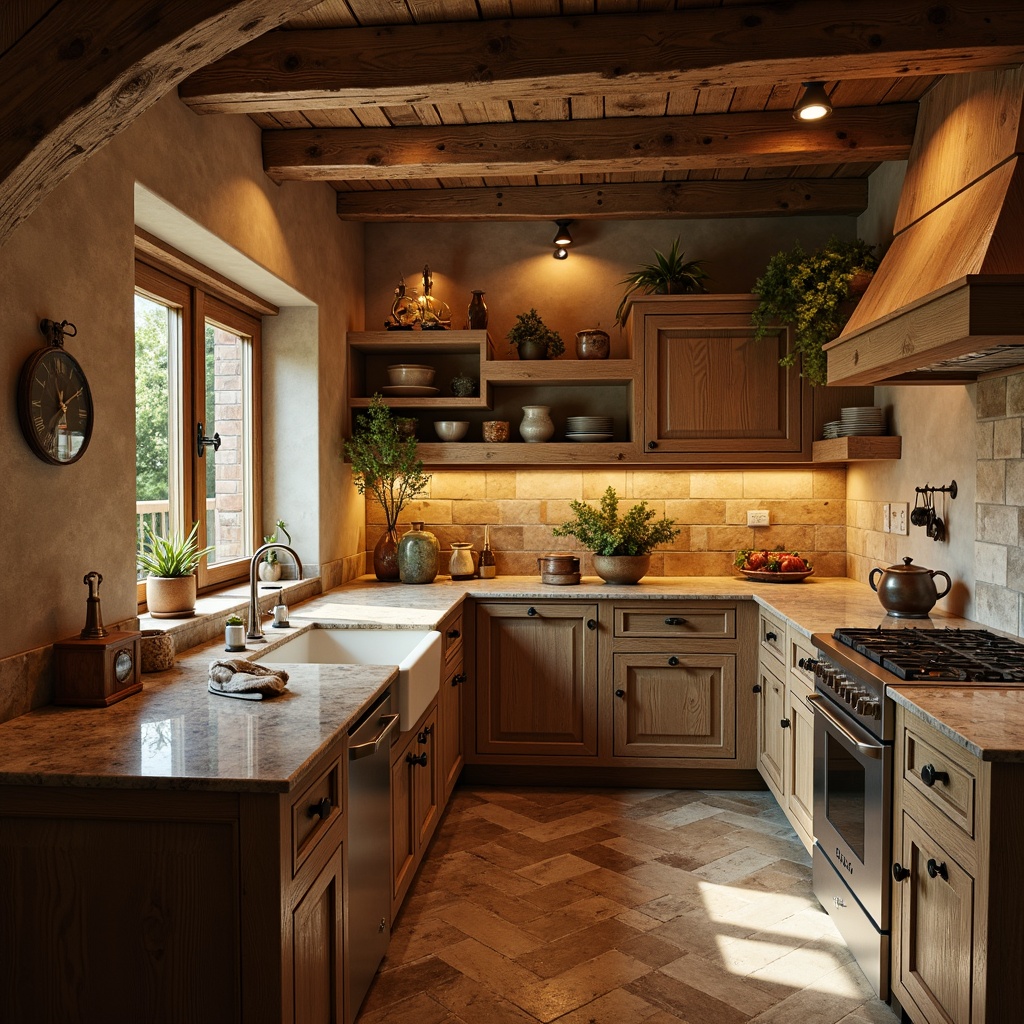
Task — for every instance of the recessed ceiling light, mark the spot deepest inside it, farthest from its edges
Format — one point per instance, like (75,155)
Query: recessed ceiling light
(814,104)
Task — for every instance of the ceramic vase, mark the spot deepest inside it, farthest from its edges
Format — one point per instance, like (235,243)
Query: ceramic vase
(593,344)
(536,425)
(477,312)
(418,555)
(270,572)
(385,556)
(460,565)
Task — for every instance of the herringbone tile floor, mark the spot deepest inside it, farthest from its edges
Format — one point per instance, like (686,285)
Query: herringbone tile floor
(617,907)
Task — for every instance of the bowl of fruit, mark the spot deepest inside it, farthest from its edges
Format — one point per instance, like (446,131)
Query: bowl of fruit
(773,566)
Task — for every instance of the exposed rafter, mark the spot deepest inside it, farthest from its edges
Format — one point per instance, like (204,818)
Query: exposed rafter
(765,139)
(619,201)
(483,61)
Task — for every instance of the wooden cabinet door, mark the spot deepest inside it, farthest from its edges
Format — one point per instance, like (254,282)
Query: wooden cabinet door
(933,918)
(715,393)
(674,705)
(770,740)
(403,831)
(449,727)
(799,758)
(426,778)
(537,666)
(318,948)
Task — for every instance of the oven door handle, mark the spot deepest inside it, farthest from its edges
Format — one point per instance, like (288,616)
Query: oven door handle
(820,706)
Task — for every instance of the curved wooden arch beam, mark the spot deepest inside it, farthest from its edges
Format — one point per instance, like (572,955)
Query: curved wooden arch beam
(83,70)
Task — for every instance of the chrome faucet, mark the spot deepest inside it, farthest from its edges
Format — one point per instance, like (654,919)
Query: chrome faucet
(255,633)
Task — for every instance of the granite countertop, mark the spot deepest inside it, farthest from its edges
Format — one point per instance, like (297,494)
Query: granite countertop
(986,720)
(175,734)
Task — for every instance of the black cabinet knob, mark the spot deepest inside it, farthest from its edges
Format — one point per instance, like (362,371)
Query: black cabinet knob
(934,868)
(756,687)
(899,872)
(420,759)
(321,809)
(771,636)
(929,776)
(459,677)
(652,445)
(531,610)
(673,660)
(422,736)
(591,623)
(674,620)
(453,634)
(784,723)
(620,693)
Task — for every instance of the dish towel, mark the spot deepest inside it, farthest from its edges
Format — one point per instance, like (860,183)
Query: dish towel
(241,676)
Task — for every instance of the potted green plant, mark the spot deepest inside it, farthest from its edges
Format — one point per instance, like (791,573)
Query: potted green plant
(812,293)
(533,339)
(667,275)
(270,567)
(621,545)
(386,465)
(170,564)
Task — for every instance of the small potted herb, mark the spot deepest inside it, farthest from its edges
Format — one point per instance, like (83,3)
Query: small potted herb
(386,465)
(621,545)
(270,567)
(814,294)
(170,563)
(667,275)
(533,339)
(234,633)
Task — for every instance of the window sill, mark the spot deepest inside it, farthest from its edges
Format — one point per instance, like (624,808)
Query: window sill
(213,609)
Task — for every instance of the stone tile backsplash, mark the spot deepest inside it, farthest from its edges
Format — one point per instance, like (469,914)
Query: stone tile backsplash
(807,508)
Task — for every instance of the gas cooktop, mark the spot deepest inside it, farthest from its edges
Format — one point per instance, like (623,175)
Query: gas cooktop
(940,655)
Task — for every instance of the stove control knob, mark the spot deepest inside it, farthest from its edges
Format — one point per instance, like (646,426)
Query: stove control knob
(872,707)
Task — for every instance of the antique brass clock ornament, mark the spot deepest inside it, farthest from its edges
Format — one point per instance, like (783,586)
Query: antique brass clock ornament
(54,400)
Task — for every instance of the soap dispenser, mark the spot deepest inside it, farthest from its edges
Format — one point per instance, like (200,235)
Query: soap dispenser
(280,611)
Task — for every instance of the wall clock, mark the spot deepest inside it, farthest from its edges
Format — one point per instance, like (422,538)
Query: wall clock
(54,400)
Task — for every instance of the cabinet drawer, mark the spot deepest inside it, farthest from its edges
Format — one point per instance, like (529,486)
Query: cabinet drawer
(800,651)
(314,811)
(925,755)
(451,637)
(772,634)
(671,621)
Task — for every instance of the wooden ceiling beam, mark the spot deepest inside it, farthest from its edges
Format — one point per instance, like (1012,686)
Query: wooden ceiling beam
(715,47)
(764,138)
(634,201)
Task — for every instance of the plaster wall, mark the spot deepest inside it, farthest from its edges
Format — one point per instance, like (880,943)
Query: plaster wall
(73,259)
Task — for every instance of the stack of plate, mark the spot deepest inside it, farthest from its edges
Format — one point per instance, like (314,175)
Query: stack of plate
(588,428)
(831,430)
(863,421)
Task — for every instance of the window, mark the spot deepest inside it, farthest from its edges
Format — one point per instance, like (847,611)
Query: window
(196,374)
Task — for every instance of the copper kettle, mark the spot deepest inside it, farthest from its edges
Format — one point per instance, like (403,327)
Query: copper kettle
(908,591)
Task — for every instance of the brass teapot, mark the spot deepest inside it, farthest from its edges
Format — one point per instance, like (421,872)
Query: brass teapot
(908,591)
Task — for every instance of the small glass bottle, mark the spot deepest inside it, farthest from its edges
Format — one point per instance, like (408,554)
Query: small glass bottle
(486,568)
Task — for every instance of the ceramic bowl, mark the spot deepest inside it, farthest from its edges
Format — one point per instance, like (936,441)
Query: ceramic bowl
(451,430)
(410,375)
(495,430)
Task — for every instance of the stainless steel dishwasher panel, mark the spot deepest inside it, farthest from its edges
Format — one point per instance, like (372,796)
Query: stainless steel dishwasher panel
(369,847)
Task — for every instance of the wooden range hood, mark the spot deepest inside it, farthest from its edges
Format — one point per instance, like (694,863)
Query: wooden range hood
(947,302)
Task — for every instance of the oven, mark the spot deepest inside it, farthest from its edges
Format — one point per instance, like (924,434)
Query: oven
(854,727)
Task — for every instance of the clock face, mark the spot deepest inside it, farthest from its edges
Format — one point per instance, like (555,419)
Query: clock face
(55,406)
(123,665)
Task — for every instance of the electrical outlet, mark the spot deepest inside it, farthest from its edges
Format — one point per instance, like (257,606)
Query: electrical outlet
(899,518)
(887,518)
(757,517)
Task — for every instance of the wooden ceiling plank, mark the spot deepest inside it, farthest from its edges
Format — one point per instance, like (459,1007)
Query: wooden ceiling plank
(608,53)
(640,200)
(770,139)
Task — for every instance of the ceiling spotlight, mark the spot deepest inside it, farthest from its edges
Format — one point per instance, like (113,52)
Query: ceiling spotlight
(814,104)
(561,253)
(562,237)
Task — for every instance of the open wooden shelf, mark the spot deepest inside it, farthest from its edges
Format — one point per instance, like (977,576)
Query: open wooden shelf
(856,449)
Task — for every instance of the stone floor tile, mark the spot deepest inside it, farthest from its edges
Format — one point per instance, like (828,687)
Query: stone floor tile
(488,928)
(689,1003)
(490,968)
(708,975)
(560,894)
(391,987)
(571,825)
(734,866)
(556,869)
(618,887)
(421,1008)
(616,1007)
(577,947)
(573,917)
(475,1003)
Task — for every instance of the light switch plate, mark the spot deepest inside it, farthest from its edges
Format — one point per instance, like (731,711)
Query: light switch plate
(757,517)
(887,518)
(899,518)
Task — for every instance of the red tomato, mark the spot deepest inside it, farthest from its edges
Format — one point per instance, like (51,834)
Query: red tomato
(792,563)
(756,560)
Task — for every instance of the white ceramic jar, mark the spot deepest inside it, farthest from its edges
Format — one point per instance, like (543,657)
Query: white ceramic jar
(536,425)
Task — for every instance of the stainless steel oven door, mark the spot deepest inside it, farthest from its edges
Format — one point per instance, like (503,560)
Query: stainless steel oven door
(852,806)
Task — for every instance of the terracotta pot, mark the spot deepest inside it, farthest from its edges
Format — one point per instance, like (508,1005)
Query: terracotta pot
(171,597)
(622,568)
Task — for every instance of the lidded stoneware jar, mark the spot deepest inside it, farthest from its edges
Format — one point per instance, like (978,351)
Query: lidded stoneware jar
(418,555)
(908,591)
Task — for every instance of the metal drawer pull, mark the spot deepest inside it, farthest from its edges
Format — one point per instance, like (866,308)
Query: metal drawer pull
(421,737)
(591,624)
(420,759)
(321,809)
(757,687)
(620,693)
(784,723)
(929,776)
(531,610)
(459,677)
(899,872)
(453,634)
(674,620)
(818,703)
(673,660)
(388,725)
(771,637)
(935,868)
